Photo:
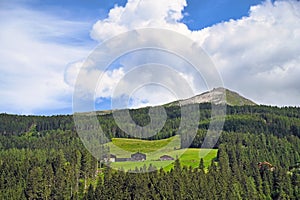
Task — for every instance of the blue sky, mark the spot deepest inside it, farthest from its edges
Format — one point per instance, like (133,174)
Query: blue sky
(253,44)
(206,13)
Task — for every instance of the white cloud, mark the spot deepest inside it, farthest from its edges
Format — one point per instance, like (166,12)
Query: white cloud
(174,87)
(141,14)
(33,60)
(257,55)
(92,80)
(144,14)
(150,84)
(159,95)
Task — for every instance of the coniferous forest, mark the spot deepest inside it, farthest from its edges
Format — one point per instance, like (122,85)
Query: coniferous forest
(42,157)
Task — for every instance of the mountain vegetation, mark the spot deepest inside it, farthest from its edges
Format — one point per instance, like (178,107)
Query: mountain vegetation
(42,157)
(217,96)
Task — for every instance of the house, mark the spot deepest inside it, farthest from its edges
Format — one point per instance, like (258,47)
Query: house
(109,158)
(138,157)
(122,159)
(166,157)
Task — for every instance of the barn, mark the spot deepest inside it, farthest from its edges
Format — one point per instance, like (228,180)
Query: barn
(122,159)
(138,156)
(109,158)
(166,157)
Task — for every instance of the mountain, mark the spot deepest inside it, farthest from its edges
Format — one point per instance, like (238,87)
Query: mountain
(217,96)
(235,99)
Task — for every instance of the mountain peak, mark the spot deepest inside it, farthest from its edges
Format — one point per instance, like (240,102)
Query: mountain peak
(235,99)
(218,95)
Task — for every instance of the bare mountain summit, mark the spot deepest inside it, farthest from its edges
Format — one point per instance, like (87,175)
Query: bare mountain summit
(217,96)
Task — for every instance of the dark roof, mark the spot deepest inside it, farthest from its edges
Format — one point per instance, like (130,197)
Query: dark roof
(138,154)
(122,159)
(166,156)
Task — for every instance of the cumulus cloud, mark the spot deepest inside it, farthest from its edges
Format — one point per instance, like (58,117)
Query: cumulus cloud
(135,14)
(257,55)
(141,14)
(141,67)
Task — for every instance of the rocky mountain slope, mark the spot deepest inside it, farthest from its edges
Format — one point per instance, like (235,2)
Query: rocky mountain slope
(217,96)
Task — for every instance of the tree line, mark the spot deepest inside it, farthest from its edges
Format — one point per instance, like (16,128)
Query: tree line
(61,168)
(255,119)
(43,158)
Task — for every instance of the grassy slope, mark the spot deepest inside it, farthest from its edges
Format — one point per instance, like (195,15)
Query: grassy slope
(144,146)
(235,99)
(154,149)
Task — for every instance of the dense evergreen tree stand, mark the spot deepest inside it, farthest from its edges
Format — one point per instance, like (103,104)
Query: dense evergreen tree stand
(43,158)
(69,173)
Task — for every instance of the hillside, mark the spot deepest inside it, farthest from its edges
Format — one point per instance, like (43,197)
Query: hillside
(235,99)
(216,96)
(43,157)
(123,148)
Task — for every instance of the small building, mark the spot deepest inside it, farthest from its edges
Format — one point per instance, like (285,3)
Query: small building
(122,159)
(166,157)
(109,158)
(138,157)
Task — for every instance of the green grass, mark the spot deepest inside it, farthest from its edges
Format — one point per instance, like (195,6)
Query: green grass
(235,99)
(154,149)
(189,157)
(125,147)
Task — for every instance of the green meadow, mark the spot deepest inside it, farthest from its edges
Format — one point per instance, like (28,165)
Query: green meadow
(123,148)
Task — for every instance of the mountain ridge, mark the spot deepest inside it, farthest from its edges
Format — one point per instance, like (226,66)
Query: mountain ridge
(218,95)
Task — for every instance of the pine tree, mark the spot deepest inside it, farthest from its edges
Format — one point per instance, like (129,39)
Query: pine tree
(35,184)
(49,181)
(201,165)
(90,193)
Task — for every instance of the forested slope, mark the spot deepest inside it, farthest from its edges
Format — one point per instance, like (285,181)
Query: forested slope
(254,119)
(43,158)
